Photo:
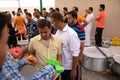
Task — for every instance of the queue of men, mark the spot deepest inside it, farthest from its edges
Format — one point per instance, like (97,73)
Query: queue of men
(72,32)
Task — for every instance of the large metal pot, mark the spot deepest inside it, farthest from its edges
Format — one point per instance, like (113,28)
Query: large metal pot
(94,60)
(116,64)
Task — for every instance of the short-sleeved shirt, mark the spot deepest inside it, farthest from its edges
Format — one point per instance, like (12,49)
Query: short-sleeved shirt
(79,30)
(32,29)
(101,19)
(42,52)
(80,19)
(70,46)
(19,21)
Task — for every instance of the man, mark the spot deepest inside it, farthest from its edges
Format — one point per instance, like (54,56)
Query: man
(34,13)
(57,9)
(51,10)
(100,25)
(12,40)
(19,10)
(73,23)
(10,70)
(31,27)
(65,11)
(81,20)
(88,28)
(13,13)
(70,46)
(45,45)
(19,23)
(24,15)
(45,13)
(25,11)
(38,15)
(13,17)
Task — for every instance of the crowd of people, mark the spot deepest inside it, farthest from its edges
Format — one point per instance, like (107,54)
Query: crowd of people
(50,35)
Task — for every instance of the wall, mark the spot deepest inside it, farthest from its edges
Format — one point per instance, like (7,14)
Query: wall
(12,5)
(112,25)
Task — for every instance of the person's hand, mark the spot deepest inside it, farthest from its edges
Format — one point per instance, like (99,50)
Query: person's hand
(53,77)
(31,60)
(73,74)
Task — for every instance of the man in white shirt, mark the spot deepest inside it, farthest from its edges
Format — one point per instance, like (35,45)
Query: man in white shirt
(88,28)
(70,46)
(13,17)
(25,14)
(38,15)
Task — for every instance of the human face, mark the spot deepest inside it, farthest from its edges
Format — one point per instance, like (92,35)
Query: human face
(13,13)
(3,42)
(50,10)
(55,23)
(45,33)
(26,12)
(28,18)
(70,19)
(38,15)
(63,11)
(89,11)
(34,14)
(73,9)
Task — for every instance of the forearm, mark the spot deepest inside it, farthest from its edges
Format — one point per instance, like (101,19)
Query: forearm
(81,49)
(24,50)
(20,64)
(75,62)
(59,58)
(44,74)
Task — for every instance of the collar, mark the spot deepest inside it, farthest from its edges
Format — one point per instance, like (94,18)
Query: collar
(65,28)
(32,22)
(39,37)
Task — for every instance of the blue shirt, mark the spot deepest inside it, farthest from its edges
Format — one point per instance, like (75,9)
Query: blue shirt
(11,71)
(32,29)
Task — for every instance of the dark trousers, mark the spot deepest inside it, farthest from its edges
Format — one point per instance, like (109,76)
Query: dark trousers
(66,75)
(98,36)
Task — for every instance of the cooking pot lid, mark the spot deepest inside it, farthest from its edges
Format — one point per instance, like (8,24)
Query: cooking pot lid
(95,53)
(117,58)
